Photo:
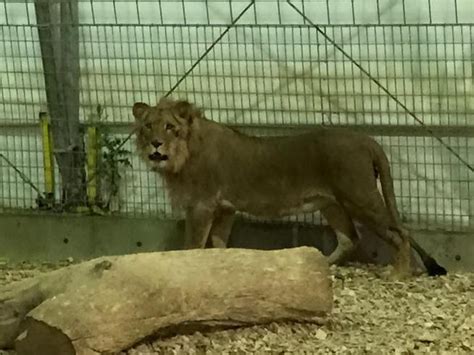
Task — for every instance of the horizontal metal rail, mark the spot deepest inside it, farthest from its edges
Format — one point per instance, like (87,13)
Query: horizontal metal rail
(371,129)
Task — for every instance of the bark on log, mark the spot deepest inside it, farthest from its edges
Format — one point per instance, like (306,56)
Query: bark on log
(109,304)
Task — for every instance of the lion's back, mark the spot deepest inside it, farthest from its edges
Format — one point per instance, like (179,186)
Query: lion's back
(277,169)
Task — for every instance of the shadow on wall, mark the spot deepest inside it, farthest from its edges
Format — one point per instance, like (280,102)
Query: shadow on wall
(258,235)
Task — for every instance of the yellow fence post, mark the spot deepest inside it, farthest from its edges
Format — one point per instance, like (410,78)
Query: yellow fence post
(48,158)
(92,144)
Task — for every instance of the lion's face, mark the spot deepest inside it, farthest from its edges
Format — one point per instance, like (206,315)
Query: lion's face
(163,133)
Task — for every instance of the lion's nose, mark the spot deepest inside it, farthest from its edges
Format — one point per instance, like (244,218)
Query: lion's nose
(155,143)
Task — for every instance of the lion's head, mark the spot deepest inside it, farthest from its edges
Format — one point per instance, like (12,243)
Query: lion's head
(163,132)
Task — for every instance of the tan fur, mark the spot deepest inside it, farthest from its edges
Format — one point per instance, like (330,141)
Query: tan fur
(212,171)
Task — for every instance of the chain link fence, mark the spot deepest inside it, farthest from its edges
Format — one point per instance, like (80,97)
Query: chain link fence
(70,72)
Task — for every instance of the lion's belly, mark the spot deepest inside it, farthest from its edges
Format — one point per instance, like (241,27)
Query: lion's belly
(306,207)
(279,206)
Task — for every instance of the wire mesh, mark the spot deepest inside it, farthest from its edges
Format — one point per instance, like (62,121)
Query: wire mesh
(271,73)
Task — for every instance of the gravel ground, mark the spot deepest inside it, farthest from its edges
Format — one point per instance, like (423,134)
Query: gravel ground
(371,315)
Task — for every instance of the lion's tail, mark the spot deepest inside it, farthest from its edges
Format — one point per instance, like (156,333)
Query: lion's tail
(382,166)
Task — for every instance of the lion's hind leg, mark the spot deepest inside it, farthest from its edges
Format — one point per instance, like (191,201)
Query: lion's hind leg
(372,212)
(345,230)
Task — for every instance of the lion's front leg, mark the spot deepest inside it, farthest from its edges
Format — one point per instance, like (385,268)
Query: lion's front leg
(221,227)
(198,225)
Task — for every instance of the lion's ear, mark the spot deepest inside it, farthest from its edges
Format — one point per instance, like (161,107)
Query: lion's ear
(185,110)
(139,110)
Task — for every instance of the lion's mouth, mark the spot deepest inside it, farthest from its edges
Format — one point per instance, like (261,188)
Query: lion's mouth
(157,157)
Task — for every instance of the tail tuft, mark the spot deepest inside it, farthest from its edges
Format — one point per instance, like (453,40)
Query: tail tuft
(433,268)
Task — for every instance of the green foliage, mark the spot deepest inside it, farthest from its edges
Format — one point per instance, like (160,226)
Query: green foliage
(112,159)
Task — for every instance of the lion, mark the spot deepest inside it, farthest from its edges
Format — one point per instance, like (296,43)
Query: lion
(212,171)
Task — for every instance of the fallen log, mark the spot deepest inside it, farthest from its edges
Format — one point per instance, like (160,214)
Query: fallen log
(109,304)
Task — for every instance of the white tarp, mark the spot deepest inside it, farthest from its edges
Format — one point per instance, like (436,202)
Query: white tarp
(274,70)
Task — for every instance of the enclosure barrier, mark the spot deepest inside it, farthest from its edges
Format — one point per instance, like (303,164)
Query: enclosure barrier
(259,66)
(48,159)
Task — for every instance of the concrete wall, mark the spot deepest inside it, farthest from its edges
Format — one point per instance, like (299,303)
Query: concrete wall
(46,237)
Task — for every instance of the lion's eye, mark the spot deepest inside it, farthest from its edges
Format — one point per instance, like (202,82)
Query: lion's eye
(168,126)
(148,126)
